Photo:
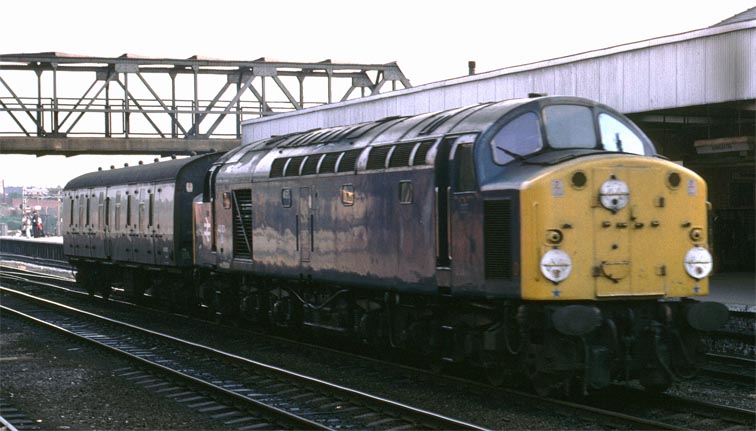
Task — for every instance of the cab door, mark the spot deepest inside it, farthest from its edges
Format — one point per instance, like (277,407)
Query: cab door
(457,203)
(465,210)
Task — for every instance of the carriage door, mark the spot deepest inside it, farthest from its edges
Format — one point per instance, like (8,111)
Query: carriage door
(86,206)
(304,224)
(107,225)
(465,209)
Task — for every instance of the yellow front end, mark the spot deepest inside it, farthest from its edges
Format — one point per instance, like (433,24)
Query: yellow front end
(614,226)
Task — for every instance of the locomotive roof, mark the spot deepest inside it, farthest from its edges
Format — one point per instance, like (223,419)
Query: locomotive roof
(339,149)
(469,119)
(152,172)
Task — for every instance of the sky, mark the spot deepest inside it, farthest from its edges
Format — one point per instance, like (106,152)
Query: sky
(430,40)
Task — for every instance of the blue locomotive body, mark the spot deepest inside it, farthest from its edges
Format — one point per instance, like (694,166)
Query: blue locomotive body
(504,235)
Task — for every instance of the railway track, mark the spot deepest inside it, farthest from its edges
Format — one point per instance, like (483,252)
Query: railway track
(631,414)
(663,411)
(730,368)
(291,400)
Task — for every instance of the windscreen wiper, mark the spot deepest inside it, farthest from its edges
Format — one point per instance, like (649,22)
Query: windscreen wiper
(511,154)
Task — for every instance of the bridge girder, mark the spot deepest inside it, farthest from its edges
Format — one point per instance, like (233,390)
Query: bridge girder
(139,101)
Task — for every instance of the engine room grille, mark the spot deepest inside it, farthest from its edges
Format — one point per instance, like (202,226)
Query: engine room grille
(277,168)
(377,157)
(242,212)
(498,239)
(401,155)
(349,160)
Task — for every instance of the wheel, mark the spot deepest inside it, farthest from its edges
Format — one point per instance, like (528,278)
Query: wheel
(495,376)
(655,381)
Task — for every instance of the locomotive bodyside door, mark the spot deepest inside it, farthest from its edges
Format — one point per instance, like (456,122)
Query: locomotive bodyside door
(304,240)
(443,191)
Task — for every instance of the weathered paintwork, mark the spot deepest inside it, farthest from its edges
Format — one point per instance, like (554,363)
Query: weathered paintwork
(637,251)
(302,229)
(136,215)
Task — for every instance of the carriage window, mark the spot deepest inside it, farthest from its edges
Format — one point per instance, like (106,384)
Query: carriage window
(107,212)
(151,218)
(128,210)
(100,211)
(615,136)
(118,211)
(519,137)
(569,126)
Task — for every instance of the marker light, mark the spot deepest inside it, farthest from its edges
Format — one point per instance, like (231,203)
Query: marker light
(698,262)
(556,265)
(614,194)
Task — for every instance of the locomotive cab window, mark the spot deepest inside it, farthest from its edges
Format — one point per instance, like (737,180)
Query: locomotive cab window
(615,136)
(519,137)
(464,170)
(569,126)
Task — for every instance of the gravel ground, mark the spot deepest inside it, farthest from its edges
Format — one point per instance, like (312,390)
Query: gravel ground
(481,409)
(61,386)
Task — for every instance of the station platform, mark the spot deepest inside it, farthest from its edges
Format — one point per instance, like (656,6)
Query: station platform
(733,288)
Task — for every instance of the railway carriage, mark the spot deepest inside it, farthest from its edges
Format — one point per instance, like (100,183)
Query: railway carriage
(133,226)
(541,237)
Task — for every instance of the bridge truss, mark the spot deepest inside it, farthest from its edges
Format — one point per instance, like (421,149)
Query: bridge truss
(55,103)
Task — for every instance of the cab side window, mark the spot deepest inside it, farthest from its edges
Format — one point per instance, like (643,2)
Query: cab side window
(464,169)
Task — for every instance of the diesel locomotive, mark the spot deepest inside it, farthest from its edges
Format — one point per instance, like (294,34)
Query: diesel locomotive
(539,237)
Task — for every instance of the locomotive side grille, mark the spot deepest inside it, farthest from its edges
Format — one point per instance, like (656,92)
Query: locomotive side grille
(242,211)
(401,155)
(292,169)
(329,163)
(498,239)
(277,168)
(311,164)
(349,160)
(377,157)
(421,152)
